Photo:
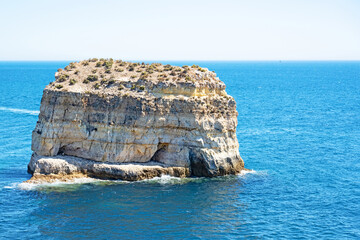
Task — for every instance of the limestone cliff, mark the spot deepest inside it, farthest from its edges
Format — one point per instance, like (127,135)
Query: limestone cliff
(137,121)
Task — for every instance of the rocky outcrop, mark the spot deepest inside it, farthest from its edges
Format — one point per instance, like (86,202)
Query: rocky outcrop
(67,165)
(114,119)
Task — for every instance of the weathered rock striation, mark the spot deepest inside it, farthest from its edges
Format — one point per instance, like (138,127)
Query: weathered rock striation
(131,121)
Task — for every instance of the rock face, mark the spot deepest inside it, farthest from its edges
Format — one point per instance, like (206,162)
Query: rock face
(137,121)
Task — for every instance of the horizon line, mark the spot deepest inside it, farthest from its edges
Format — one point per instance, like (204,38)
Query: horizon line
(198,60)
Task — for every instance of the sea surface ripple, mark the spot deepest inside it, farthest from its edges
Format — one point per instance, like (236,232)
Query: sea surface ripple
(299,130)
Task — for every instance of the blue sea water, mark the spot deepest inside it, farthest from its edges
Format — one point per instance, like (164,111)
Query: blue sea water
(299,130)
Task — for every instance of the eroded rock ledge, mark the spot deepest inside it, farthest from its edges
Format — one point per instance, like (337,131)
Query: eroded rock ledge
(131,121)
(74,166)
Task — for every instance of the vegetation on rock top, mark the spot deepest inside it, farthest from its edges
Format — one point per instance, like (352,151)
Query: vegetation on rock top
(117,75)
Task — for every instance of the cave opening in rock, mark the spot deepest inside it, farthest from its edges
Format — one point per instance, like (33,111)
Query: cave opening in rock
(61,151)
(161,149)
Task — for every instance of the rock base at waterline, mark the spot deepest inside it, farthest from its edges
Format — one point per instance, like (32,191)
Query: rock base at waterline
(46,168)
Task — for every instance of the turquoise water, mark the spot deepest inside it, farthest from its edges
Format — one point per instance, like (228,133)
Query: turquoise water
(299,129)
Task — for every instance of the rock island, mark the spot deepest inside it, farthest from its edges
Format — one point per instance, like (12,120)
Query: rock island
(120,120)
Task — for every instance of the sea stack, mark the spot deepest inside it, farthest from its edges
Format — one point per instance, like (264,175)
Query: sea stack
(132,121)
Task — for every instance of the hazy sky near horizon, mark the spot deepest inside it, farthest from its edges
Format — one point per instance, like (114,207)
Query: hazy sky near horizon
(180,30)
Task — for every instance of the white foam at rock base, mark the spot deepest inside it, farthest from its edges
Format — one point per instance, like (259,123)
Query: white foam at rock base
(164,179)
(244,172)
(34,186)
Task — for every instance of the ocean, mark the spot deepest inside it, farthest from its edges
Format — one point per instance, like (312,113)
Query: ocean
(298,130)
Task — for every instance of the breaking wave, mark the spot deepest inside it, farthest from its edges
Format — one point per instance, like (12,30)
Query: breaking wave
(20,111)
(36,186)
(77,182)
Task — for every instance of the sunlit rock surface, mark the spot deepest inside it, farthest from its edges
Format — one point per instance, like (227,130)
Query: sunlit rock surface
(131,121)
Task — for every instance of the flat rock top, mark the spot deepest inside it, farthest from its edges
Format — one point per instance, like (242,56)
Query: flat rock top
(114,77)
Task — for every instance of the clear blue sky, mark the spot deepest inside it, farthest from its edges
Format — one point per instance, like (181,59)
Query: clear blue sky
(180,30)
